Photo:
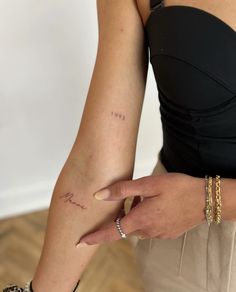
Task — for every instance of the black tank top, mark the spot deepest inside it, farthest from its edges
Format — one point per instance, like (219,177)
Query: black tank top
(193,56)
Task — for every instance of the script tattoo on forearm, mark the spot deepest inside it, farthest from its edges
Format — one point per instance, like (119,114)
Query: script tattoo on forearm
(68,198)
(118,115)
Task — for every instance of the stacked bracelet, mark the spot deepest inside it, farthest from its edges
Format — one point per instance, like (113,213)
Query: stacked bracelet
(210,214)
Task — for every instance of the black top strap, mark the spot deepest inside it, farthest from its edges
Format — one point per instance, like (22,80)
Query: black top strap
(155,4)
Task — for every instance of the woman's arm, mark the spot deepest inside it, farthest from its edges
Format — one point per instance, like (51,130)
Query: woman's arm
(103,151)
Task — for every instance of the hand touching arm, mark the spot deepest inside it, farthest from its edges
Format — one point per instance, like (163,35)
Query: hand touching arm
(103,151)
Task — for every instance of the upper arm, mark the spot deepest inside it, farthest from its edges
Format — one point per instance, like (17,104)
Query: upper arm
(110,121)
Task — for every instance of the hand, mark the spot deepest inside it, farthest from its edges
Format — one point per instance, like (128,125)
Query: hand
(172,204)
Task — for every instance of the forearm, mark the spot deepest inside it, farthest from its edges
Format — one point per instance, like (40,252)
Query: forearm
(104,150)
(73,212)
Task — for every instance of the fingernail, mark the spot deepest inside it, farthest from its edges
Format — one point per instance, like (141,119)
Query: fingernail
(81,244)
(103,194)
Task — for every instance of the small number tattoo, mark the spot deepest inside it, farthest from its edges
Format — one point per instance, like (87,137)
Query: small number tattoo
(118,115)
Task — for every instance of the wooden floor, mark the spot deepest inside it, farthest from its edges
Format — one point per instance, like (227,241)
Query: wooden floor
(21,241)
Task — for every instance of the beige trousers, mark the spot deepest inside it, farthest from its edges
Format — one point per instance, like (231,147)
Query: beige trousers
(202,259)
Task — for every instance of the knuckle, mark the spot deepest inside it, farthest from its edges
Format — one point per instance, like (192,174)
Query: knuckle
(122,188)
(149,185)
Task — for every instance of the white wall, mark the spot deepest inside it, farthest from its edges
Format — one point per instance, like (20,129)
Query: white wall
(47,53)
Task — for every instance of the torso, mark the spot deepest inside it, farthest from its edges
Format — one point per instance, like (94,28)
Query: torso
(225,10)
(192,47)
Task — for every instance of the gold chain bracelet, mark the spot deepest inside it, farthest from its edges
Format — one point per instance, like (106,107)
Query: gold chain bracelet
(209,201)
(218,201)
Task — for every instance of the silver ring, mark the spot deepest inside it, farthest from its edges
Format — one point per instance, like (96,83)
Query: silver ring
(123,235)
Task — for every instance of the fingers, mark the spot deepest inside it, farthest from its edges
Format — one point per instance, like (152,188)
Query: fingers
(110,232)
(145,186)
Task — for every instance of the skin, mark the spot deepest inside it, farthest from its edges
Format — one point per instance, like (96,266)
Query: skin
(68,198)
(104,148)
(175,209)
(165,212)
(103,155)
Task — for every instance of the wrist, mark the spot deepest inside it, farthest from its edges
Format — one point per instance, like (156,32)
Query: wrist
(31,288)
(202,200)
